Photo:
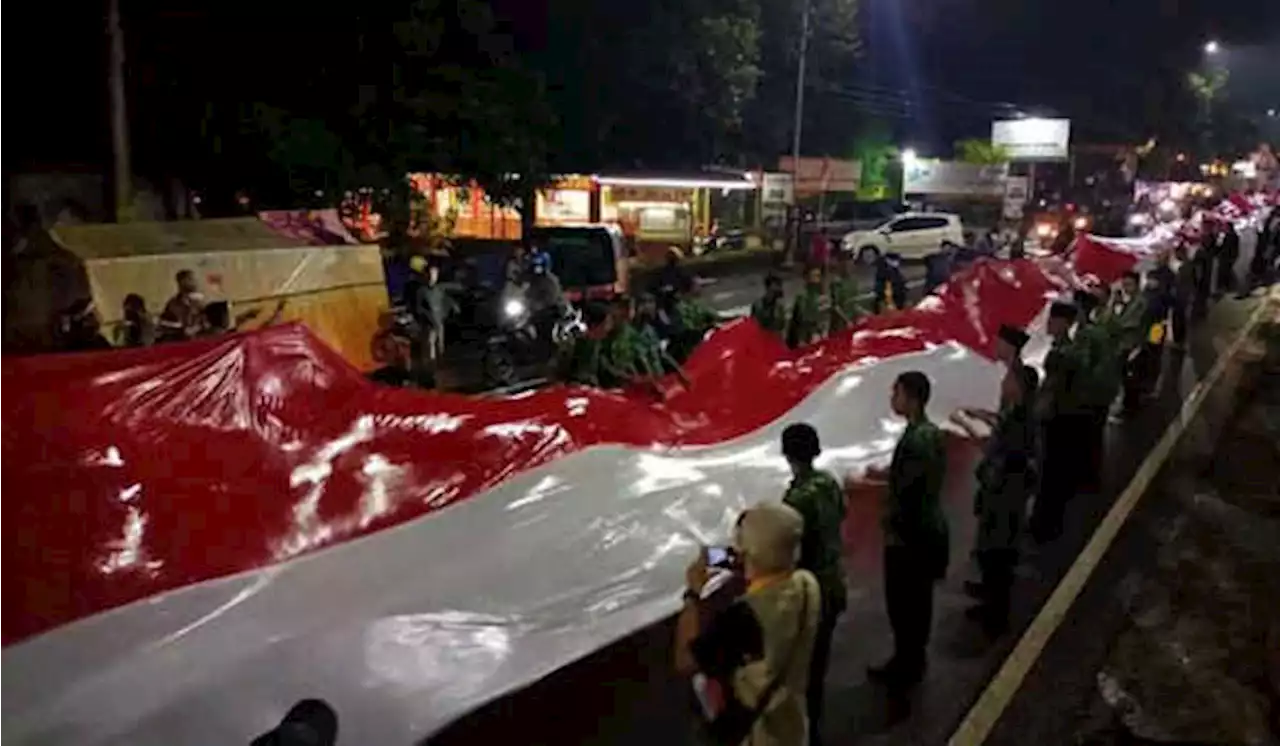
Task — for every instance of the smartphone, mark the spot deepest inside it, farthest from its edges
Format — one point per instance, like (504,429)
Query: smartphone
(718,556)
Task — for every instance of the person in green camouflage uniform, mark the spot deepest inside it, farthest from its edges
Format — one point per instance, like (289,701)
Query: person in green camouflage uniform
(694,321)
(820,499)
(916,537)
(1099,382)
(624,358)
(656,358)
(809,312)
(1065,415)
(1006,479)
(845,306)
(770,312)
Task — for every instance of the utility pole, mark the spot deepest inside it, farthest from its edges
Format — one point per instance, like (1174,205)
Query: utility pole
(799,113)
(796,131)
(122,171)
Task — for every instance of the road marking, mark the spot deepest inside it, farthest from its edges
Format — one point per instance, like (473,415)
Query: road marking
(1000,691)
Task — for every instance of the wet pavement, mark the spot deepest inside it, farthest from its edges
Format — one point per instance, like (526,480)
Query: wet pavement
(627,693)
(1176,638)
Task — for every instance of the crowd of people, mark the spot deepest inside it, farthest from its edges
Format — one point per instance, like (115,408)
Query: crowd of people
(758,662)
(186,315)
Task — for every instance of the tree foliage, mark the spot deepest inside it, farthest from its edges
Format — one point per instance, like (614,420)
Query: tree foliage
(874,149)
(982,152)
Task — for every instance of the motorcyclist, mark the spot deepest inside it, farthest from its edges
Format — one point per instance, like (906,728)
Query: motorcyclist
(545,297)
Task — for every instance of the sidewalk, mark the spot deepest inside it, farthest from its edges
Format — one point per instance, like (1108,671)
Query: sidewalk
(627,693)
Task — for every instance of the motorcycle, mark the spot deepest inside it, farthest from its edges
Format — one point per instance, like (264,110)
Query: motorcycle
(525,336)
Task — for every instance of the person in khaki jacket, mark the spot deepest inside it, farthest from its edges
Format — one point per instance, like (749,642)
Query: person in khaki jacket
(753,656)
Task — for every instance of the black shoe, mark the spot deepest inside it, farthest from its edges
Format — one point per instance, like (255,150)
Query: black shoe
(976,613)
(975,589)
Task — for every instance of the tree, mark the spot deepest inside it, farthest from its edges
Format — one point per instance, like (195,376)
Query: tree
(834,47)
(429,86)
(981,152)
(669,81)
(875,151)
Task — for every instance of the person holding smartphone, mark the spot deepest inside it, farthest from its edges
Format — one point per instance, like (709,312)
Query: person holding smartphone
(749,662)
(819,498)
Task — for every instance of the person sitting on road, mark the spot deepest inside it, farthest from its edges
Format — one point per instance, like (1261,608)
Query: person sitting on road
(218,319)
(652,341)
(136,329)
(810,311)
(581,362)
(749,663)
(770,311)
(82,328)
(846,309)
(623,359)
(695,320)
(183,316)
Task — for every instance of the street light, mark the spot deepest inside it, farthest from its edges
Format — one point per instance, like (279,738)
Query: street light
(1211,47)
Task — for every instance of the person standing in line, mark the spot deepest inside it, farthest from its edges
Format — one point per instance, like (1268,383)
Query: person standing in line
(1063,419)
(1228,254)
(916,540)
(183,314)
(1203,259)
(1184,292)
(1099,382)
(820,499)
(770,311)
(1006,479)
(1132,317)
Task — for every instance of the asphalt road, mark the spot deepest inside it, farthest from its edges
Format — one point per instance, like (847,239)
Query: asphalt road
(733,295)
(627,693)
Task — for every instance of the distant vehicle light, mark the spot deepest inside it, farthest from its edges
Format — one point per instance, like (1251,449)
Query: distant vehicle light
(1168,205)
(1080,223)
(1139,218)
(1045,230)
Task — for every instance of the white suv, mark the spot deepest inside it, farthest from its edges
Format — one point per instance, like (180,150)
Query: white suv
(912,235)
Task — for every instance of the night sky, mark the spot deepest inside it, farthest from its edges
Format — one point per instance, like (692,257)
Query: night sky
(941,69)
